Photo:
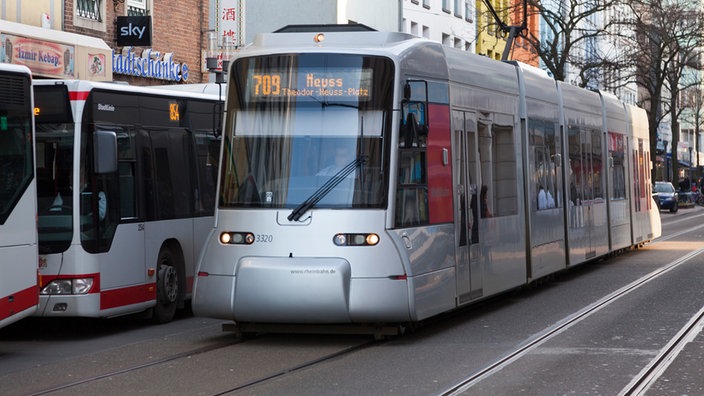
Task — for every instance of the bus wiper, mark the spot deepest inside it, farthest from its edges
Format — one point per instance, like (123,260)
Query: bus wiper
(321,192)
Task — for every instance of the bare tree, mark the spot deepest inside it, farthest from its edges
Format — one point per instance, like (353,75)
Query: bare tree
(693,112)
(571,29)
(668,41)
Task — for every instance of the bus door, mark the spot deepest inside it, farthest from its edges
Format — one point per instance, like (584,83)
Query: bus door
(123,266)
(464,154)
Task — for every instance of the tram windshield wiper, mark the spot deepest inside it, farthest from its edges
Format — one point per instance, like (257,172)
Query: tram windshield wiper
(329,185)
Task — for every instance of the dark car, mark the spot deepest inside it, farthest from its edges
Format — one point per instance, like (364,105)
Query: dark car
(666,196)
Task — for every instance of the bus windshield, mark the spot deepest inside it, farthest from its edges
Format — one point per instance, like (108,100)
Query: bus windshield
(16,168)
(54,190)
(298,121)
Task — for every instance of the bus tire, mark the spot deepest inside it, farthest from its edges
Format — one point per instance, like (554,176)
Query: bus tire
(167,289)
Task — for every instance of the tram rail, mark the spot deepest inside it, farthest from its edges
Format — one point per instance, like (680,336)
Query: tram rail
(644,378)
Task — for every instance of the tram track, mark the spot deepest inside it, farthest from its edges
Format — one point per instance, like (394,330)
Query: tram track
(647,376)
(299,367)
(166,360)
(137,367)
(642,382)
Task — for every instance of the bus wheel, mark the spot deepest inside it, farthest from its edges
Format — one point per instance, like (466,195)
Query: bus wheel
(166,288)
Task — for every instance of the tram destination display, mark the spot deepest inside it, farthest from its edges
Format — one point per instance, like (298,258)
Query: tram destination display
(339,84)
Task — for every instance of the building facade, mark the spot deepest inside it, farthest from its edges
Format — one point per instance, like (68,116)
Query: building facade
(451,22)
(168,48)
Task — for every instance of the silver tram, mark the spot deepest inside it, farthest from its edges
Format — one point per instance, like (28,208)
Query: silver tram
(371,177)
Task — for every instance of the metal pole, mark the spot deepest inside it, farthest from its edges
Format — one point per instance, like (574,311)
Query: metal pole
(667,162)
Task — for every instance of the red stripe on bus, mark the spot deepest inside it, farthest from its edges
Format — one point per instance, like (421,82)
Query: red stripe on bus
(78,95)
(127,295)
(18,302)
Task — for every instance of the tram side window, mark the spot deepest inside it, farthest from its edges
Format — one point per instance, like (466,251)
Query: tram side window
(617,155)
(597,180)
(498,165)
(576,195)
(647,182)
(412,193)
(546,189)
(640,175)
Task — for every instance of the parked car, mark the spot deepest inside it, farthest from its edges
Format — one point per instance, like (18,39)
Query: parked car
(666,196)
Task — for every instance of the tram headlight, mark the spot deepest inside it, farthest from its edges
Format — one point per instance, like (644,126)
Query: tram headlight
(68,286)
(343,239)
(236,238)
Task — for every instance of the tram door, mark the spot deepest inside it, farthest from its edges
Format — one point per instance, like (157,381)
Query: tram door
(585,191)
(464,170)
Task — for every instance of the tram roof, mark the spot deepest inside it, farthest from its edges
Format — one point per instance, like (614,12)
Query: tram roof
(298,41)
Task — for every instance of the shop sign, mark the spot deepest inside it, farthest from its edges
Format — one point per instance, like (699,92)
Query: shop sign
(134,31)
(230,23)
(150,64)
(43,58)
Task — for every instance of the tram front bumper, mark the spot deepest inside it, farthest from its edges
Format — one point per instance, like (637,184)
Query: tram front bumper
(300,290)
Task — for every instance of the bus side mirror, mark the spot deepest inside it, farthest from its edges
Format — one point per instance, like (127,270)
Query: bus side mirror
(105,152)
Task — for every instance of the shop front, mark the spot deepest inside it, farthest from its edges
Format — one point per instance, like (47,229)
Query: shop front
(55,54)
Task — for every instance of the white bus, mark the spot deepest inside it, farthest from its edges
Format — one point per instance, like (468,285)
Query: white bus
(126,194)
(18,202)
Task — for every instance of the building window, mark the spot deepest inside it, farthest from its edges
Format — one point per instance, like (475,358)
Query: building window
(458,9)
(446,40)
(137,8)
(446,6)
(468,11)
(89,14)
(426,4)
(89,9)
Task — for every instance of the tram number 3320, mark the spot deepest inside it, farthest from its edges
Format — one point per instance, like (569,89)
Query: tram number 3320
(264,238)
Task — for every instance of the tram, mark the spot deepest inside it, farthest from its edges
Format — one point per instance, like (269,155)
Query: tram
(371,177)
(126,193)
(18,201)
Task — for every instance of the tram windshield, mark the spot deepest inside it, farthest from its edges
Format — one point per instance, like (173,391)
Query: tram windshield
(308,130)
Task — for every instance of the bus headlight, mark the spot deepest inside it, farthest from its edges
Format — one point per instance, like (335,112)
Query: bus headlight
(68,286)
(355,239)
(236,238)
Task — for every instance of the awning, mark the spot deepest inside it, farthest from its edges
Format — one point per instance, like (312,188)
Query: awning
(55,53)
